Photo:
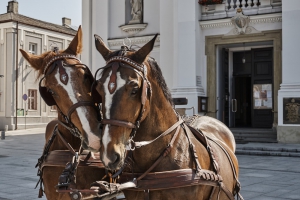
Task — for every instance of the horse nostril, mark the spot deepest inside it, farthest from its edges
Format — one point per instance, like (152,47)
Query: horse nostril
(115,162)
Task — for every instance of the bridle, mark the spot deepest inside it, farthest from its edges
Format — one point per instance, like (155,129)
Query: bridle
(120,61)
(58,62)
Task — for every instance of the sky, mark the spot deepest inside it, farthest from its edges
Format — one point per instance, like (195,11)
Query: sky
(48,10)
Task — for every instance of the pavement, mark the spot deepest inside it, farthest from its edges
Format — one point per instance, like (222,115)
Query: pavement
(268,171)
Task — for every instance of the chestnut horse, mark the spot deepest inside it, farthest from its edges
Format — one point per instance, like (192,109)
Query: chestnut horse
(66,83)
(168,161)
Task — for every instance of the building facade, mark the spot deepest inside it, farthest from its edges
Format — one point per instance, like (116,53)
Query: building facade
(234,60)
(21,105)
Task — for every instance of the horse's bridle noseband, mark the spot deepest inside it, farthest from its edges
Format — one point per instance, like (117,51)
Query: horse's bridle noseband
(141,70)
(57,62)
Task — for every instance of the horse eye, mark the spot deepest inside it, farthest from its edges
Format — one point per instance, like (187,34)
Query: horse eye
(134,91)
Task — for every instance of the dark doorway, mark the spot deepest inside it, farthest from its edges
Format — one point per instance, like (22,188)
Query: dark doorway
(251,98)
(242,107)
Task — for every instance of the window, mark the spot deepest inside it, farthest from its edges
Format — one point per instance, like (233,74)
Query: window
(32,48)
(32,99)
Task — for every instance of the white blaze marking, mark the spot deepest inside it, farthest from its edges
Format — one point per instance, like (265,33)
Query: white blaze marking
(108,102)
(94,141)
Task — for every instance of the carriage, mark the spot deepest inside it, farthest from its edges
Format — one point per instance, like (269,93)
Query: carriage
(125,115)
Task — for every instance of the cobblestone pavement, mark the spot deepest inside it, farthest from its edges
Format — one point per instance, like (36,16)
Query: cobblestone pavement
(262,177)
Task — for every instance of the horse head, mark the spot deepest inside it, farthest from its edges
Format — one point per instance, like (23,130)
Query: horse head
(126,85)
(66,83)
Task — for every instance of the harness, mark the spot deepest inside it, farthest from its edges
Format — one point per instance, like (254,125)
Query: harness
(58,62)
(150,181)
(115,62)
(70,159)
(59,158)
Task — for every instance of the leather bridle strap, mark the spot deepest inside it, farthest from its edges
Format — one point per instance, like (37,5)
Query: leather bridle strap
(163,155)
(79,104)
(115,122)
(169,130)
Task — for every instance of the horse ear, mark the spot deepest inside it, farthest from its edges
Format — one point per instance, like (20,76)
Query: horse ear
(35,61)
(101,47)
(75,46)
(140,55)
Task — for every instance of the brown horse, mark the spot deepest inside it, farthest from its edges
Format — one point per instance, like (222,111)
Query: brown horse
(67,85)
(168,162)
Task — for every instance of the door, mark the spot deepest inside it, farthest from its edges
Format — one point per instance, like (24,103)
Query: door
(225,83)
(241,102)
(262,84)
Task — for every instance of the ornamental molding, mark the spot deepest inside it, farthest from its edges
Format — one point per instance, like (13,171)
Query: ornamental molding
(134,41)
(258,19)
(133,28)
(28,33)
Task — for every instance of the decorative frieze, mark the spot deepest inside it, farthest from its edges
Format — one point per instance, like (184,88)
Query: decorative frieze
(253,20)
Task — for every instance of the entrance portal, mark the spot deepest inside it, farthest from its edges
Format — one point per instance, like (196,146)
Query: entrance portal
(251,101)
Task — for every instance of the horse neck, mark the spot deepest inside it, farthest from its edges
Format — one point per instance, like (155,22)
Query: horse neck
(160,117)
(67,135)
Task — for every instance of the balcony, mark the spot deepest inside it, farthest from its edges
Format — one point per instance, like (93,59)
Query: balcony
(250,7)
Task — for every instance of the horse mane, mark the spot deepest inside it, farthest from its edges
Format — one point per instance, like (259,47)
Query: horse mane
(160,79)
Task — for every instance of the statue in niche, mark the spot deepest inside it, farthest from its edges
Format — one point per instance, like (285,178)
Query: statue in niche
(136,11)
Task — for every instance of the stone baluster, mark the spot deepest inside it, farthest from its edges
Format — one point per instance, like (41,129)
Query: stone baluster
(227,5)
(231,5)
(243,3)
(255,3)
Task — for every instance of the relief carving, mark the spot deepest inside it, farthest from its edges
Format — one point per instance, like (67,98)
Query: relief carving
(291,111)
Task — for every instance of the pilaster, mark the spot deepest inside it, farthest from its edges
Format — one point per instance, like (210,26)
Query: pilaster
(289,93)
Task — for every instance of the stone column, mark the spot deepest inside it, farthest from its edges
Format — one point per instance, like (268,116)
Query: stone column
(179,31)
(289,94)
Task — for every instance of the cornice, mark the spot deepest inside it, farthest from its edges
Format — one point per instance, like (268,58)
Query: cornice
(134,41)
(33,34)
(257,19)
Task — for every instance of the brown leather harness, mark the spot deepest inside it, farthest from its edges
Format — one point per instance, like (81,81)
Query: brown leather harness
(166,179)
(58,62)
(59,158)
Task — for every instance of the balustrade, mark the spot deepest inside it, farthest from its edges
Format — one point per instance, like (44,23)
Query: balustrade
(250,7)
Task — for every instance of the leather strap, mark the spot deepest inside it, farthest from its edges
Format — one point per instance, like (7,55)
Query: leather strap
(163,155)
(115,122)
(78,104)
(169,130)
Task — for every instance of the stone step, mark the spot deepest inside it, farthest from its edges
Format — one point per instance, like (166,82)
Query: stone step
(267,153)
(275,149)
(245,135)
